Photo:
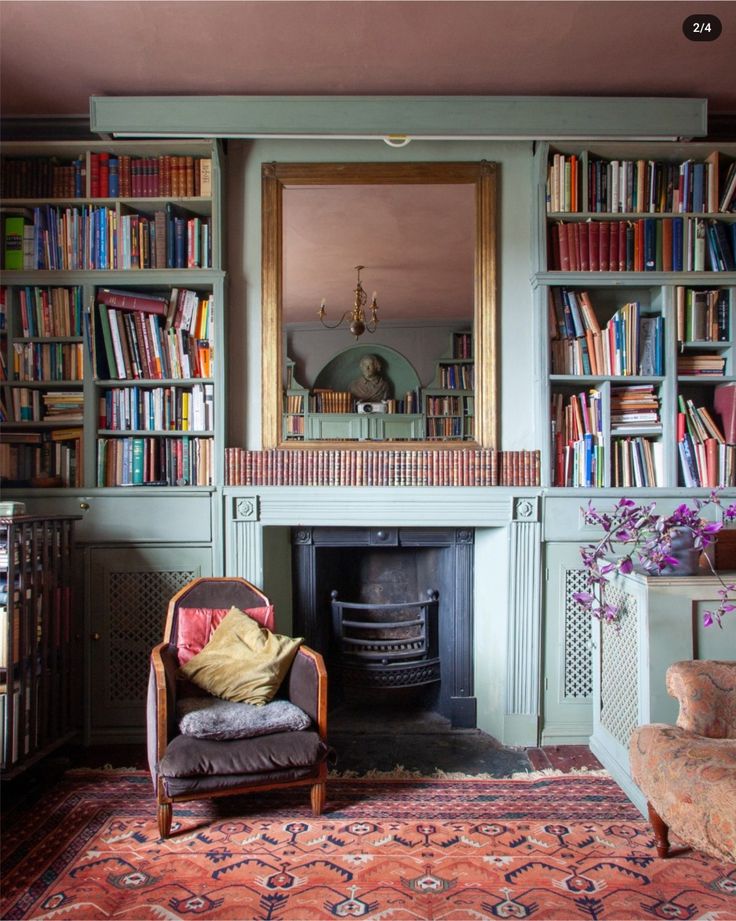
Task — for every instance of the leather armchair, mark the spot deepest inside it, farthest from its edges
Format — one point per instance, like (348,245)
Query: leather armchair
(186,768)
(688,772)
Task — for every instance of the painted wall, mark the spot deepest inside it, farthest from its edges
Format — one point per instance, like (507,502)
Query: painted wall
(515,360)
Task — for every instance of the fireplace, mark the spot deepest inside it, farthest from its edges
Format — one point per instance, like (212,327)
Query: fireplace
(402,597)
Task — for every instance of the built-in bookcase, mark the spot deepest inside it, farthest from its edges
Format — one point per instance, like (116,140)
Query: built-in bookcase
(99,391)
(449,402)
(635,294)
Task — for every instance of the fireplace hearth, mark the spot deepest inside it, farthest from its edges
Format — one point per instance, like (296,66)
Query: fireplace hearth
(391,609)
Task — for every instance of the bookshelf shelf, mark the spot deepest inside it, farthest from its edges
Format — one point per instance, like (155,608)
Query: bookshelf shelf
(673,315)
(175,236)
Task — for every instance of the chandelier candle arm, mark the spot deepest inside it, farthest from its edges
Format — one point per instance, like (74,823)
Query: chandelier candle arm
(358,323)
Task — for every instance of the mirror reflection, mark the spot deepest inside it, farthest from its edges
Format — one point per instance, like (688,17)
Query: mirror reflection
(377,308)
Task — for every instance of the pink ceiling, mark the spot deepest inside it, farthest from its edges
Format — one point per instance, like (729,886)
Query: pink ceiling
(416,243)
(56,54)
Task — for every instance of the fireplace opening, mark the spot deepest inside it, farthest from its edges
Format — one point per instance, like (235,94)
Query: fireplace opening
(391,611)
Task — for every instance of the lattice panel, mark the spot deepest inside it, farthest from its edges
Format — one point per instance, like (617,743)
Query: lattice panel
(619,669)
(137,604)
(578,659)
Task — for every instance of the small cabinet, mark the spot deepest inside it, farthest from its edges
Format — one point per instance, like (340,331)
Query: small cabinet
(128,590)
(568,666)
(661,622)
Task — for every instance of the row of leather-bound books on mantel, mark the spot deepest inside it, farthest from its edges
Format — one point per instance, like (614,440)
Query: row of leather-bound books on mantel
(382,467)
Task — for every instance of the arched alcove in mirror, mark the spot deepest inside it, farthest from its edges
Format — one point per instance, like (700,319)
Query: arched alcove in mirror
(378,303)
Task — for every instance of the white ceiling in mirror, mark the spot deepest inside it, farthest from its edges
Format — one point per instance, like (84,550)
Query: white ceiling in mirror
(415,241)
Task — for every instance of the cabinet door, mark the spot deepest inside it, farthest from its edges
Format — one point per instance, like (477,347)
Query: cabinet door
(128,592)
(390,426)
(568,664)
(326,426)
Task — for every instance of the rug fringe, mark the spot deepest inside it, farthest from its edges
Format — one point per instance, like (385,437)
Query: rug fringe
(399,772)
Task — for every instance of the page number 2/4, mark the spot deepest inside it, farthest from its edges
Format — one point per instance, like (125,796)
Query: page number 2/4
(702,28)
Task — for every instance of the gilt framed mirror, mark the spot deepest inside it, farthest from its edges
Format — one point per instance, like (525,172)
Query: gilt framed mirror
(379,305)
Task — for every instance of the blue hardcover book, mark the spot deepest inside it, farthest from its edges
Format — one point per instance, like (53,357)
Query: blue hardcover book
(650,244)
(698,203)
(677,238)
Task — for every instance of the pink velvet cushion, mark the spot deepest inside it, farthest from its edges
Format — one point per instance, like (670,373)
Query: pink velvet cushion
(195,627)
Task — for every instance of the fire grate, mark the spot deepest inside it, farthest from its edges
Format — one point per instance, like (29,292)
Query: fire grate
(388,645)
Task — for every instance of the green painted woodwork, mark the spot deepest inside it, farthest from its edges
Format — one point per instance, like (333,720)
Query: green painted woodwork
(379,116)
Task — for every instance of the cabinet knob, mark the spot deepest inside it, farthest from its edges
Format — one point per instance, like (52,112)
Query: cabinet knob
(84,506)
(96,636)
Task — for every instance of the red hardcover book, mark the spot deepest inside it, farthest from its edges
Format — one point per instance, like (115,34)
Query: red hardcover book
(604,242)
(593,245)
(622,225)
(724,403)
(94,175)
(639,245)
(584,239)
(666,244)
(104,174)
(613,246)
(553,253)
(564,248)
(133,300)
(575,248)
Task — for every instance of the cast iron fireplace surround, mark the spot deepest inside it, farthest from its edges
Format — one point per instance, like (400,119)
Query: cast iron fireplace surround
(391,565)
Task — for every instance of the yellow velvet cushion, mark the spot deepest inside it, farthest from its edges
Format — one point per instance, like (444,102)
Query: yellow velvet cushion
(242,661)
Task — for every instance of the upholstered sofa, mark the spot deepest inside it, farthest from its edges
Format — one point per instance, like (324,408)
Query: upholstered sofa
(688,772)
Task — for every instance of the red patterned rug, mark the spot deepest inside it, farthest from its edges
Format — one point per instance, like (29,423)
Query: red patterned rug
(562,847)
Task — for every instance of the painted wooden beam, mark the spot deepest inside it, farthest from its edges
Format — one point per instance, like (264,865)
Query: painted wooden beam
(427,117)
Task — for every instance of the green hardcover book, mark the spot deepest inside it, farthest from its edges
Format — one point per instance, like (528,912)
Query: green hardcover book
(112,371)
(137,461)
(14,225)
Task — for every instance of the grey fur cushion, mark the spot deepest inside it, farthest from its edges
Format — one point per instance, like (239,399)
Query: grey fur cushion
(213,718)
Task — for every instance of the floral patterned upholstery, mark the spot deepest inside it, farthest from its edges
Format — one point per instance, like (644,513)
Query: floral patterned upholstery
(688,772)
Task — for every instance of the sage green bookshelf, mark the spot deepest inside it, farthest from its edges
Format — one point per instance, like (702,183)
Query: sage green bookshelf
(448,403)
(60,201)
(676,276)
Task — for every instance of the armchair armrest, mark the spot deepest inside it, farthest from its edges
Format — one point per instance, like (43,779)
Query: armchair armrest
(161,703)
(306,686)
(706,692)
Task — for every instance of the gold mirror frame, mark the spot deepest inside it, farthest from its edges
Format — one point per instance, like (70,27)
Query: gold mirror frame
(278,176)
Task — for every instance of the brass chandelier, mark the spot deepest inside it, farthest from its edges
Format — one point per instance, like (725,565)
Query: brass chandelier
(358,324)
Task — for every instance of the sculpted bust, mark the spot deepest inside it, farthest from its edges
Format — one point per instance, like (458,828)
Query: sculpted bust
(371,386)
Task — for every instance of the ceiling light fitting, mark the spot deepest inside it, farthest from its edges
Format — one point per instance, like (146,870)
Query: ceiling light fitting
(358,324)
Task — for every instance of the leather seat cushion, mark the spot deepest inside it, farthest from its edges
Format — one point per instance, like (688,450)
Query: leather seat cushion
(189,757)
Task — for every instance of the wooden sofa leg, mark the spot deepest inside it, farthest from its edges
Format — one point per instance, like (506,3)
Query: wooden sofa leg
(164,819)
(318,798)
(661,832)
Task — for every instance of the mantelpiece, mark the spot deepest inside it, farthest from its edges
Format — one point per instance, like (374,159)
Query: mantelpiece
(507,615)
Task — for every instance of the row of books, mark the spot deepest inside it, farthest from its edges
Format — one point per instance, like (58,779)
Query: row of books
(110,176)
(48,361)
(643,245)
(449,427)
(579,463)
(325,400)
(82,238)
(705,440)
(382,467)
(145,461)
(639,186)
(135,346)
(634,406)
(180,308)
(446,406)
(31,405)
(631,343)
(704,364)
(158,409)
(51,458)
(50,311)
(163,176)
(636,462)
(703,315)
(457,377)
(462,345)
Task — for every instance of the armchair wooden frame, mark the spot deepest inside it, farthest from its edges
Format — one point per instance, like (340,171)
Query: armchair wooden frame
(164,663)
